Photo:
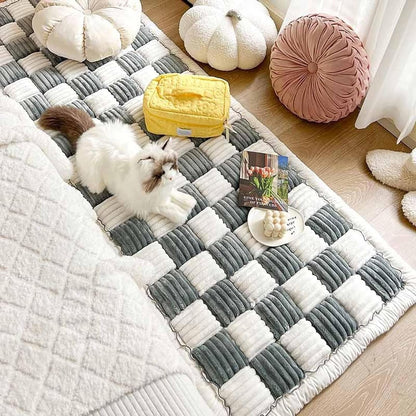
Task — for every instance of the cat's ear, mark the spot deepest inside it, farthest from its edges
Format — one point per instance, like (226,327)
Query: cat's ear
(165,145)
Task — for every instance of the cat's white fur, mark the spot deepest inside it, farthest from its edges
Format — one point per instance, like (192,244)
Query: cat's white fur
(108,156)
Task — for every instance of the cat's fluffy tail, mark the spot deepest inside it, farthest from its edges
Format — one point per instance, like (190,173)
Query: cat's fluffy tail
(70,121)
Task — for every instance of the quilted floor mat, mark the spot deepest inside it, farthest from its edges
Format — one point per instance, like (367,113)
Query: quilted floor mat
(269,327)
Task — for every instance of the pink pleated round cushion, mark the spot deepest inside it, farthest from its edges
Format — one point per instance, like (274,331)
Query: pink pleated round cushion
(319,68)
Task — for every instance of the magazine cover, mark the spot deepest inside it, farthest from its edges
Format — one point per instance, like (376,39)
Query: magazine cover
(264,181)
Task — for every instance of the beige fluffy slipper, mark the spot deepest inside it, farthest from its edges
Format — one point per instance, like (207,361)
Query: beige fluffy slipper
(396,169)
(409,206)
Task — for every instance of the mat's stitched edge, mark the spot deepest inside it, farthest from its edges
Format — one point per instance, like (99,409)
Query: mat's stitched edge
(315,382)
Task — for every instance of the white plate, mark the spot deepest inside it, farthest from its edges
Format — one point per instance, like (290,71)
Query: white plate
(295,225)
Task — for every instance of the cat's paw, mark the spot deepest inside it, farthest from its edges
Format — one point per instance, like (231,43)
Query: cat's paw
(185,201)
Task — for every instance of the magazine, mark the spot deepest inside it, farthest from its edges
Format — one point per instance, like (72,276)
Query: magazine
(264,181)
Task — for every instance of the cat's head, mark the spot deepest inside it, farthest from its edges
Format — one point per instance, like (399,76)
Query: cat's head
(158,165)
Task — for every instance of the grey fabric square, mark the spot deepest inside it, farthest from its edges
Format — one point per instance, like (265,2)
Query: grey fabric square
(34,2)
(26,24)
(201,201)
(220,357)
(86,84)
(379,274)
(35,106)
(55,59)
(124,90)
(230,169)
(144,36)
(173,293)
(132,62)
(294,179)
(225,302)
(170,64)
(152,137)
(47,78)
(11,72)
(21,47)
(92,66)
(82,105)
(117,113)
(230,212)
(278,311)
(280,262)
(92,198)
(243,135)
(332,322)
(230,253)
(277,369)
(64,144)
(5,16)
(328,224)
(330,268)
(181,244)
(132,236)
(194,164)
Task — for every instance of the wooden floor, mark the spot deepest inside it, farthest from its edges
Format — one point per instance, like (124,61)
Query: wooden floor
(381,382)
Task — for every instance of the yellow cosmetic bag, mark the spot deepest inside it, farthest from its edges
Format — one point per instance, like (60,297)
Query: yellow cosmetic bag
(186,105)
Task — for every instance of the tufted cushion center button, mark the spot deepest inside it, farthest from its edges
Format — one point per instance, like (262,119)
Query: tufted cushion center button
(312,67)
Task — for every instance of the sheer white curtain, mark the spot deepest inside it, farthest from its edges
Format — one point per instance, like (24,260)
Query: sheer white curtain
(388,30)
(391,45)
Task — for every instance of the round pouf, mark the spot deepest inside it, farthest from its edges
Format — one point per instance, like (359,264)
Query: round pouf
(86,29)
(319,68)
(228,34)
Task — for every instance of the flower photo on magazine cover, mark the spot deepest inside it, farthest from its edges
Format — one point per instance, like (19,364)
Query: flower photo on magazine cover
(264,181)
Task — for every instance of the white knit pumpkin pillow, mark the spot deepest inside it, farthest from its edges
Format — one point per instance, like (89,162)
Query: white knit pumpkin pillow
(228,34)
(86,29)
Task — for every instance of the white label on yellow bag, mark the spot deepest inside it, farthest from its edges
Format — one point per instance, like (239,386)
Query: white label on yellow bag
(183,132)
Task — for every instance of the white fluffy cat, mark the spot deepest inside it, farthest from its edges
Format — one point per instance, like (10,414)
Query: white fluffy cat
(108,156)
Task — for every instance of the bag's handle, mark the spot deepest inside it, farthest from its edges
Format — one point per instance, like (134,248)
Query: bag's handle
(181,92)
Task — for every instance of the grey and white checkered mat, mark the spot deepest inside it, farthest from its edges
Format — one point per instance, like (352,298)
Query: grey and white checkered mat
(256,319)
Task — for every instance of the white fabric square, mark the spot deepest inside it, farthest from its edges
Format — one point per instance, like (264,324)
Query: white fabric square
(135,107)
(21,89)
(234,116)
(246,394)
(196,324)
(213,185)
(261,146)
(71,69)
(179,180)
(159,225)
(306,289)
(244,234)
(202,271)
(180,145)
(10,32)
(153,51)
(144,76)
(305,345)
(101,101)
(37,42)
(354,249)
(20,9)
(111,213)
(307,245)
(358,299)
(142,138)
(250,333)
(161,262)
(306,200)
(253,281)
(34,62)
(218,149)
(208,226)
(110,73)
(61,94)
(5,56)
